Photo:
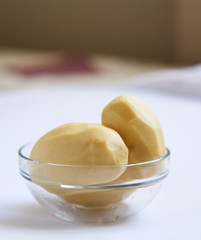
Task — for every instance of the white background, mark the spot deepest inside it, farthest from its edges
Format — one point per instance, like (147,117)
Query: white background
(175,213)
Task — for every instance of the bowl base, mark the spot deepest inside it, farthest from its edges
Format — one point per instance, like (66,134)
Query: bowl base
(105,214)
(67,211)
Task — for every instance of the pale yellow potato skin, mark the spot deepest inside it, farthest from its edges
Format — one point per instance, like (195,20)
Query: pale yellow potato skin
(83,145)
(141,131)
(85,154)
(138,126)
(86,144)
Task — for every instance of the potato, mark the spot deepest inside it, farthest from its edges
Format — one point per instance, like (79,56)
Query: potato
(140,129)
(77,154)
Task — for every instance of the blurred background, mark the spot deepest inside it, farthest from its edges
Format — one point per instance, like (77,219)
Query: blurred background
(96,42)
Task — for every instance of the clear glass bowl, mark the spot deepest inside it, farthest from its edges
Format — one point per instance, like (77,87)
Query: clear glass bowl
(92,193)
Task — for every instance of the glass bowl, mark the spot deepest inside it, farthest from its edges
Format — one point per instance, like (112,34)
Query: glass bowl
(93,193)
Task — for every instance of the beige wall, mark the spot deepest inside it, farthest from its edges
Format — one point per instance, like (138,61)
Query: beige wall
(150,29)
(188,30)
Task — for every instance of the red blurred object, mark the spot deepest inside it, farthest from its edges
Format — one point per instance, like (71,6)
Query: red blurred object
(62,66)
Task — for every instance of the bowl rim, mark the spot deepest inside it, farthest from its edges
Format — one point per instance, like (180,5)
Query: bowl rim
(91,166)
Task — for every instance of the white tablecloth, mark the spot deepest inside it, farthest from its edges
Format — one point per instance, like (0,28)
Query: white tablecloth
(27,114)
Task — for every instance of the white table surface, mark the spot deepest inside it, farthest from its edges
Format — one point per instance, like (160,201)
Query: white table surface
(175,213)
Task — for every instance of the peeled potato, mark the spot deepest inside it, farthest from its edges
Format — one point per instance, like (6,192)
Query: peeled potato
(140,129)
(77,154)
